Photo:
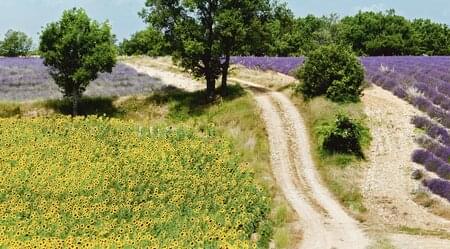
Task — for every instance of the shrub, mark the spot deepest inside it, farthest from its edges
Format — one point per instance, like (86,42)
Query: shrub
(332,71)
(343,135)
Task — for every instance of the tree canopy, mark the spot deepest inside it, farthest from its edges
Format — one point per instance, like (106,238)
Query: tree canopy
(16,43)
(76,49)
(203,34)
(368,33)
(145,42)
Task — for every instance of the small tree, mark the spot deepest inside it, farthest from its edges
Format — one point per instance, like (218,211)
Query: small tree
(203,34)
(76,49)
(333,71)
(146,42)
(16,43)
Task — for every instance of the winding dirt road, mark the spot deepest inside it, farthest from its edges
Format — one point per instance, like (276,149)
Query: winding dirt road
(324,222)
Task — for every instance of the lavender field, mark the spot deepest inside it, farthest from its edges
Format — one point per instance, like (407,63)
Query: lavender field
(423,82)
(24,79)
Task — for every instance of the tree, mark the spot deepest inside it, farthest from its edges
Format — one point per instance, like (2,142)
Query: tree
(281,27)
(333,71)
(430,38)
(16,43)
(146,42)
(76,49)
(371,33)
(204,33)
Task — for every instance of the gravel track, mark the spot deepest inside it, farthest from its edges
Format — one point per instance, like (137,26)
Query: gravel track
(327,226)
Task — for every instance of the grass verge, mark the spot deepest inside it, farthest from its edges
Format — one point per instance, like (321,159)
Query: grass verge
(341,173)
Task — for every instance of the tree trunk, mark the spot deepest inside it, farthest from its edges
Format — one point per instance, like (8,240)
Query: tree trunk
(210,88)
(75,101)
(224,86)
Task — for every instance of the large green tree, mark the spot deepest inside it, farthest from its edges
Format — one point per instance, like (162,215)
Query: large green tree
(430,38)
(76,49)
(16,43)
(203,34)
(371,33)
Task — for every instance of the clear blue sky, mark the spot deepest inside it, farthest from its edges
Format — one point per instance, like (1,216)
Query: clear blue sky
(30,15)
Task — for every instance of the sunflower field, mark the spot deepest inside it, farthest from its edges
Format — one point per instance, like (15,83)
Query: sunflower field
(105,183)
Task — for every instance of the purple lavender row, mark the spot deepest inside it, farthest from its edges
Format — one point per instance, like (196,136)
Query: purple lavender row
(283,65)
(432,129)
(438,149)
(432,110)
(393,83)
(28,79)
(431,93)
(432,163)
(438,187)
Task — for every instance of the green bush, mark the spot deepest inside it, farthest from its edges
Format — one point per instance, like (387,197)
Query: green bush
(333,71)
(343,136)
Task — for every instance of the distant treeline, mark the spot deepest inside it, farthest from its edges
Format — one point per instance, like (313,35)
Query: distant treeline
(283,34)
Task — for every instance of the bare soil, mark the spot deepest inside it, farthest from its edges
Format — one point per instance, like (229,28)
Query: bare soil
(388,186)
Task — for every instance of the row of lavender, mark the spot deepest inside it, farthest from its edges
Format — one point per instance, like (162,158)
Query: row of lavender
(425,83)
(28,79)
(422,81)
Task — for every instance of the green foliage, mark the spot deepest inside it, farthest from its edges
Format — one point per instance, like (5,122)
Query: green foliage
(146,42)
(380,33)
(16,43)
(76,49)
(377,33)
(368,33)
(343,136)
(430,38)
(200,32)
(332,71)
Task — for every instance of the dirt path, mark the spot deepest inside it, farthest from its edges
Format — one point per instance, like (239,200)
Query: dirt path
(168,78)
(388,184)
(324,222)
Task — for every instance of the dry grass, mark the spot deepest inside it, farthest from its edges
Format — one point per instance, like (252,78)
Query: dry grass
(433,204)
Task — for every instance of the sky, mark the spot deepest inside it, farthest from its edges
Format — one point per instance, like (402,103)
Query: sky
(30,16)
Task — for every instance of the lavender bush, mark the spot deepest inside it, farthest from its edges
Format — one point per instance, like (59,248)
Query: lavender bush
(432,163)
(439,187)
(433,146)
(283,65)
(432,129)
(28,79)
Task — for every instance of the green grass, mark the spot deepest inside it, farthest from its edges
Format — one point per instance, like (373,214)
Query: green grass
(442,234)
(341,173)
(381,244)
